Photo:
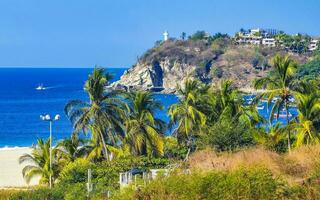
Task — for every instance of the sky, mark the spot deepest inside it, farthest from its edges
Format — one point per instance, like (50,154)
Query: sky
(113,33)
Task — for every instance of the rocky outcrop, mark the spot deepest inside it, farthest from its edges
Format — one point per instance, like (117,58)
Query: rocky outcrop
(169,64)
(162,76)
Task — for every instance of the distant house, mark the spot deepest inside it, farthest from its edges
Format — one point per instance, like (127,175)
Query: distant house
(257,36)
(313,44)
(271,42)
(248,39)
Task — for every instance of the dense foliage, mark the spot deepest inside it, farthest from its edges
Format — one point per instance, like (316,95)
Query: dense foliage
(244,183)
(125,133)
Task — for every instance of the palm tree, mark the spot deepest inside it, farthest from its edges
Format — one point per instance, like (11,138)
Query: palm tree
(271,139)
(71,149)
(225,102)
(308,119)
(279,83)
(103,112)
(38,163)
(144,132)
(94,148)
(187,114)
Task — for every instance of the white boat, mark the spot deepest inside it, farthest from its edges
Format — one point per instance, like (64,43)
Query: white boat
(260,107)
(40,87)
(282,115)
(274,99)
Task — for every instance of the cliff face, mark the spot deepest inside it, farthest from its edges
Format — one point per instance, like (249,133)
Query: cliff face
(169,64)
(160,75)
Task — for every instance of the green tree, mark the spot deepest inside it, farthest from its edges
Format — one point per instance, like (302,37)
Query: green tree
(274,139)
(199,35)
(103,112)
(308,120)
(144,132)
(71,149)
(279,84)
(183,35)
(38,163)
(186,115)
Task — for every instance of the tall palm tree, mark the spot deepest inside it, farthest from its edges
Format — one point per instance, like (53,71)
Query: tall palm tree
(307,124)
(103,112)
(279,84)
(144,132)
(187,115)
(38,163)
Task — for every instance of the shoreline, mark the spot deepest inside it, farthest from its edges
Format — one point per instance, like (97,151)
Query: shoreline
(8,148)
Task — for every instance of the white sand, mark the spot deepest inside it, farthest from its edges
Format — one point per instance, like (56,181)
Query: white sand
(11,170)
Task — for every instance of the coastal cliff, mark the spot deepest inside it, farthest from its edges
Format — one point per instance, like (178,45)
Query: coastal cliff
(168,64)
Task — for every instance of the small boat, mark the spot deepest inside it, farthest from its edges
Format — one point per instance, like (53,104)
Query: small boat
(274,99)
(291,99)
(260,107)
(282,115)
(40,87)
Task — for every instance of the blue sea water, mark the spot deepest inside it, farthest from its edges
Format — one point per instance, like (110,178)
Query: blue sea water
(21,104)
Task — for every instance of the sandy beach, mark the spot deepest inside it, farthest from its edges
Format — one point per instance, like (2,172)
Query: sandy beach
(11,170)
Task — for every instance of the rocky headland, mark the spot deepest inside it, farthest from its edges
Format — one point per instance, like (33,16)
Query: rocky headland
(168,64)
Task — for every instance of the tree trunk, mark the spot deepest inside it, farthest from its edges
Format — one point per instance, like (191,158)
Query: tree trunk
(105,150)
(289,134)
(187,156)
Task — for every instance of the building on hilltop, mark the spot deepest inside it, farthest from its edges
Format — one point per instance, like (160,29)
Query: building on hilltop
(313,44)
(257,36)
(270,42)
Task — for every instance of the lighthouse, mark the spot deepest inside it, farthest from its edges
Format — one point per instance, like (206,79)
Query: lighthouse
(165,36)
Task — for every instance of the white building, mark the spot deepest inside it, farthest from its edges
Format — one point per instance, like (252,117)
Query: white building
(165,36)
(257,36)
(271,42)
(313,44)
(249,39)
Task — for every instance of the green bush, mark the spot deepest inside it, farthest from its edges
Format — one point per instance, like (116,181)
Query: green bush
(172,149)
(105,177)
(250,183)
(36,194)
(225,136)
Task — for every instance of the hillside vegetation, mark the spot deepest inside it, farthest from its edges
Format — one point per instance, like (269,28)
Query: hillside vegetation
(206,59)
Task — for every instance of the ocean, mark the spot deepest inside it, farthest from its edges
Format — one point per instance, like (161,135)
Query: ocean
(21,104)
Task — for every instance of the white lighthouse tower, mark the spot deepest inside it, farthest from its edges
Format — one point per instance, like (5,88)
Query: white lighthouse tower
(165,36)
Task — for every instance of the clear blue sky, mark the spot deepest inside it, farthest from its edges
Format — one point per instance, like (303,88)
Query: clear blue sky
(82,33)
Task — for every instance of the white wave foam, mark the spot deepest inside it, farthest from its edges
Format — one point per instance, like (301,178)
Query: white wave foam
(5,148)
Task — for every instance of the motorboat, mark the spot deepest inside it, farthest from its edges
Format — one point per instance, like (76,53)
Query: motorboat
(40,87)
(260,107)
(282,115)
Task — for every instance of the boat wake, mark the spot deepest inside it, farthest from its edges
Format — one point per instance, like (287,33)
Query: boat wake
(41,87)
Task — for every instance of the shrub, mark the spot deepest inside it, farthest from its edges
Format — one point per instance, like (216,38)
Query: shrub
(224,136)
(244,183)
(40,193)
(172,149)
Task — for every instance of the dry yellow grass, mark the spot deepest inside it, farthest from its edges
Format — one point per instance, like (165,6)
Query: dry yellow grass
(294,167)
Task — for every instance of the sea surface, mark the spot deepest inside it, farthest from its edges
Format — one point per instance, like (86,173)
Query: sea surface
(21,104)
